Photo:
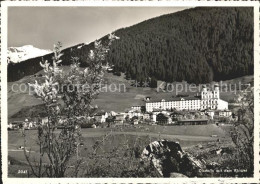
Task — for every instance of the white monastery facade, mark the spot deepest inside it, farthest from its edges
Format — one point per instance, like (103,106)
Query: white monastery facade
(207,100)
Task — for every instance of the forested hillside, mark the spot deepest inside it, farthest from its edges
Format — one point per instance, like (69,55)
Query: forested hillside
(197,45)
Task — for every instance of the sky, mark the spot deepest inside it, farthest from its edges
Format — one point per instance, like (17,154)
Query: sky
(44,26)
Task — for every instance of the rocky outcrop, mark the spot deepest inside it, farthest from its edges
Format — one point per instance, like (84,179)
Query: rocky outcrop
(170,160)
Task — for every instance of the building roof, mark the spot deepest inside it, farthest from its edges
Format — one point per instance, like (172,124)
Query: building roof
(225,110)
(119,117)
(194,120)
(178,113)
(17,122)
(222,100)
(100,113)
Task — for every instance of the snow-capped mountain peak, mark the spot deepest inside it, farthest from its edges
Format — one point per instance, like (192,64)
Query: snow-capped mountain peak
(18,54)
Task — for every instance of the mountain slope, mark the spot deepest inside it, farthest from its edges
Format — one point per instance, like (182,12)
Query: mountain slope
(197,45)
(18,54)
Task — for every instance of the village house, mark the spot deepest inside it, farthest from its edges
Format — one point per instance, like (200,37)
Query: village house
(113,113)
(134,113)
(44,120)
(210,113)
(9,126)
(166,112)
(135,122)
(119,119)
(123,114)
(163,119)
(15,125)
(177,115)
(100,117)
(136,108)
(146,116)
(28,124)
(153,117)
(218,113)
(224,113)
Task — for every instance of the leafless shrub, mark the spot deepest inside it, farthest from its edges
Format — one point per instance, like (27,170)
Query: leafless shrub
(66,106)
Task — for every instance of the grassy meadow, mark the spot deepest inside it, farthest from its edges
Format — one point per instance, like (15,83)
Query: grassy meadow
(20,103)
(187,136)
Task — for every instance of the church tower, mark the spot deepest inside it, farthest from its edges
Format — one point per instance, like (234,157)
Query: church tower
(204,93)
(216,91)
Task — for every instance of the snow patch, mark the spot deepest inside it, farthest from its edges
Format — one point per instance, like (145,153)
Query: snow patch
(18,54)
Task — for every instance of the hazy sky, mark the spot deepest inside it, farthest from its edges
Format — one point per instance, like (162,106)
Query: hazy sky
(44,26)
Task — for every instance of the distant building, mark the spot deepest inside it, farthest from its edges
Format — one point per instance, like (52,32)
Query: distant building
(211,99)
(218,113)
(101,117)
(44,120)
(119,119)
(134,113)
(135,121)
(113,113)
(210,113)
(28,124)
(16,125)
(136,108)
(207,100)
(122,114)
(139,108)
(146,116)
(153,117)
(9,126)
(224,113)
(177,115)
(162,119)
(179,103)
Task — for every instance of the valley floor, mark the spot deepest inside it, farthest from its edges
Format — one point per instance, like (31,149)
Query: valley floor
(187,136)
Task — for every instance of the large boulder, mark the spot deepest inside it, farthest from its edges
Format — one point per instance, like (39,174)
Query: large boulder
(168,158)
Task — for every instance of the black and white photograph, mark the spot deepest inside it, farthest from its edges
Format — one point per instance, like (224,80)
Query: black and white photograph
(130,91)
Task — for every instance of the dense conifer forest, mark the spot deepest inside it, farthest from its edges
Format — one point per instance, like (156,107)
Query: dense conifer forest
(197,45)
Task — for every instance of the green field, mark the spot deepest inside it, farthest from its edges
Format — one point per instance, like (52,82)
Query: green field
(187,136)
(20,103)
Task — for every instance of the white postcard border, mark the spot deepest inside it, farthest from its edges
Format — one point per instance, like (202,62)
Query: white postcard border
(4,137)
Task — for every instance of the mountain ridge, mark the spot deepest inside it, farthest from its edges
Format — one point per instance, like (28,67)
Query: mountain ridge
(19,54)
(197,45)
